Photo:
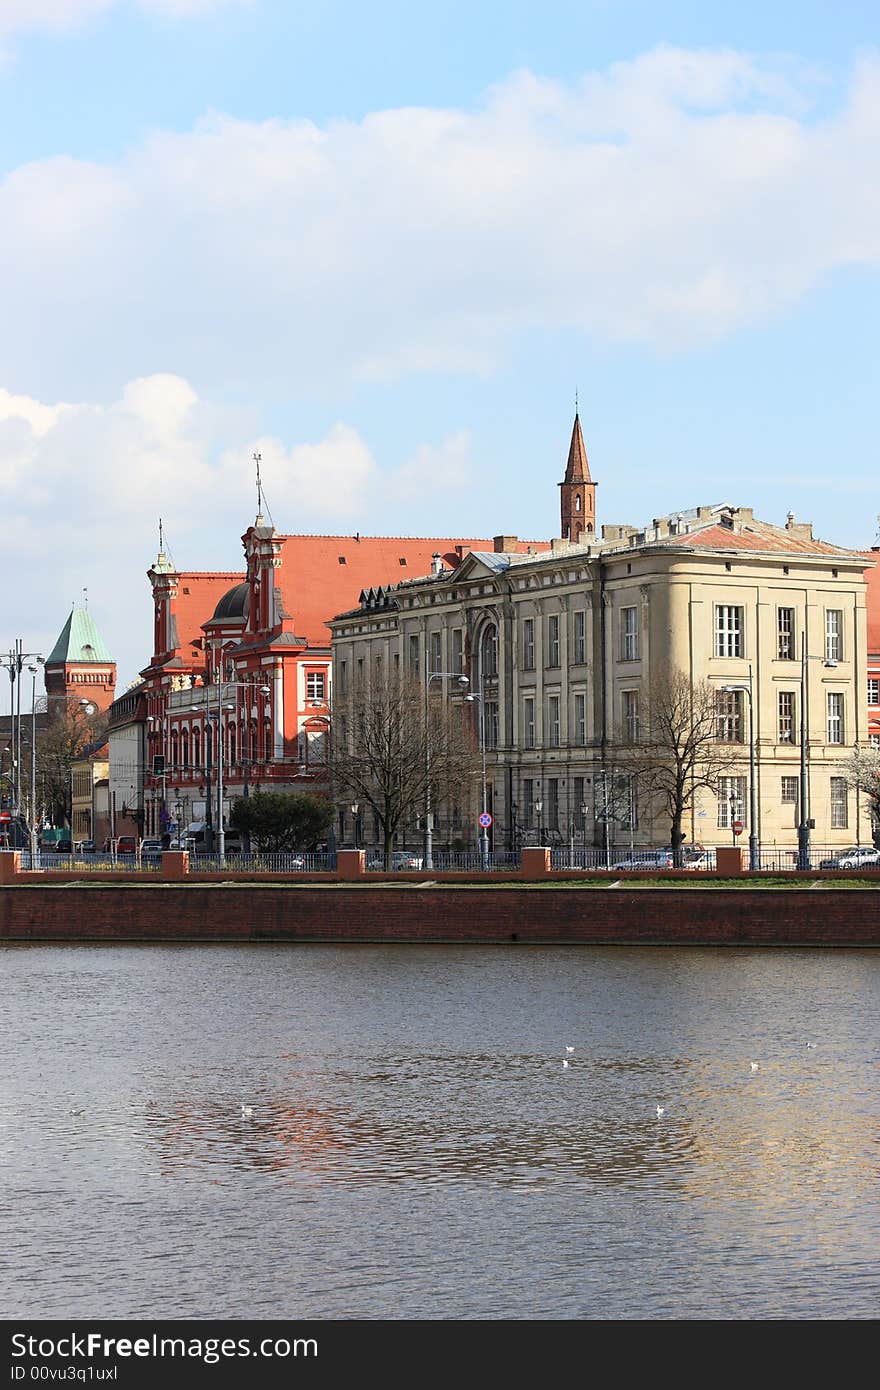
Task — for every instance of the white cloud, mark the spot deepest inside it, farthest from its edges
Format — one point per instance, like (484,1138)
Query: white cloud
(668,200)
(16,16)
(82,488)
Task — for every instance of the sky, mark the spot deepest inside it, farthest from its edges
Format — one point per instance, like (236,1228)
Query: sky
(387,245)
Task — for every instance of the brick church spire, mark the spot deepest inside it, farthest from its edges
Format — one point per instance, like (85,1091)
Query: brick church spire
(578,491)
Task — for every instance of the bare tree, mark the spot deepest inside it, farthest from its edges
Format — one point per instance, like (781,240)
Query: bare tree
(862,772)
(388,747)
(678,750)
(65,737)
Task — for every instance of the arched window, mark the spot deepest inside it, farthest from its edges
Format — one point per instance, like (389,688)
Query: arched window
(184,748)
(489,652)
(267,739)
(209,745)
(252,741)
(196,746)
(577,502)
(175,749)
(232,742)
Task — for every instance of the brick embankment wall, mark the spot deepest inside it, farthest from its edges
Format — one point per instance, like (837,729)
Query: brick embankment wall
(273,912)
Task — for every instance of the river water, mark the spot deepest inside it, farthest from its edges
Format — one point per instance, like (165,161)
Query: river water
(416,1147)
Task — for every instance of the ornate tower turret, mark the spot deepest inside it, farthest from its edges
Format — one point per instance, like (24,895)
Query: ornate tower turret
(578,491)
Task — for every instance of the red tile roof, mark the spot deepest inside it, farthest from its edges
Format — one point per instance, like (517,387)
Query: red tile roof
(316,586)
(753,536)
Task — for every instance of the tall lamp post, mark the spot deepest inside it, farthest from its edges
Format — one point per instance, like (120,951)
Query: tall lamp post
(484,829)
(33,799)
(429,814)
(356,815)
(754,855)
(539,811)
(805,822)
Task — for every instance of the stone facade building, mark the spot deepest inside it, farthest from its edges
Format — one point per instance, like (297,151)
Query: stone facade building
(561,649)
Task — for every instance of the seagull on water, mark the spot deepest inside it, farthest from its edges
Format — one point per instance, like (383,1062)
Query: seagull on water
(565,1062)
(247,1111)
(811,1044)
(753,1066)
(660,1111)
(569,1049)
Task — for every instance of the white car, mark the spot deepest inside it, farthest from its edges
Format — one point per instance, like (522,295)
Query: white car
(859,859)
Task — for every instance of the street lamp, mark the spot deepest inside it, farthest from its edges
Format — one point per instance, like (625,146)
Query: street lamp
(429,815)
(33,798)
(484,829)
(805,823)
(584,828)
(539,807)
(754,856)
(355,811)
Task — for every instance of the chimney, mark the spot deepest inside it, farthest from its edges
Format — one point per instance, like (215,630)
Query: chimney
(501,544)
(802,530)
(436,563)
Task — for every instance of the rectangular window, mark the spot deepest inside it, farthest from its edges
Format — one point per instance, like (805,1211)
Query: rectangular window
(833,634)
(457,650)
(835,718)
(315,685)
(629,634)
(436,654)
(839,804)
(528,644)
(490,730)
(873,690)
(785,643)
(553,720)
(790,789)
(580,638)
(415,662)
(728,630)
(731,801)
(729,725)
(785,705)
(528,722)
(343,677)
(553,640)
(580,804)
(528,809)
(630,712)
(580,719)
(626,806)
(360,672)
(551,818)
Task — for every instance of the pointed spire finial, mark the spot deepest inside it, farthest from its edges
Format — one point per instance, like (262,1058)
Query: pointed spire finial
(575,401)
(258,459)
(85,597)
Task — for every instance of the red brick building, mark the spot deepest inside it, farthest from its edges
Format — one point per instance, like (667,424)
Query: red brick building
(250,652)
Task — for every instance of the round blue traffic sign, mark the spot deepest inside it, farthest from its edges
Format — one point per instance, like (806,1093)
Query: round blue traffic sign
(485,820)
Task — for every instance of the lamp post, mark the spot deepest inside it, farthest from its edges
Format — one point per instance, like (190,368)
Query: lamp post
(484,829)
(754,855)
(355,811)
(539,808)
(33,798)
(584,829)
(805,822)
(429,814)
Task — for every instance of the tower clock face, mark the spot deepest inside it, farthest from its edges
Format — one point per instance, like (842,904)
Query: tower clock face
(88,707)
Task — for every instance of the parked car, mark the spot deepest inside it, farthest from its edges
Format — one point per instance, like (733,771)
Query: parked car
(126,844)
(645,859)
(857,857)
(62,847)
(400,859)
(151,848)
(702,859)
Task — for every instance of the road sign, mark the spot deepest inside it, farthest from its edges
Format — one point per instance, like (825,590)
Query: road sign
(485,820)
(737,827)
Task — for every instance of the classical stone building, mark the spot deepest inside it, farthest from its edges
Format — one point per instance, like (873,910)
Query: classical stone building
(561,649)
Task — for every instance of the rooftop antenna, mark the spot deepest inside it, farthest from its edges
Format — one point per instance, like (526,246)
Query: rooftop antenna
(575,401)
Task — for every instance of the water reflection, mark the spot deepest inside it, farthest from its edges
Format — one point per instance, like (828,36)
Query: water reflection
(405,1104)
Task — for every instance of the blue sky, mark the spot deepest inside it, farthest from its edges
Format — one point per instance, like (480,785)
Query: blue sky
(386,244)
